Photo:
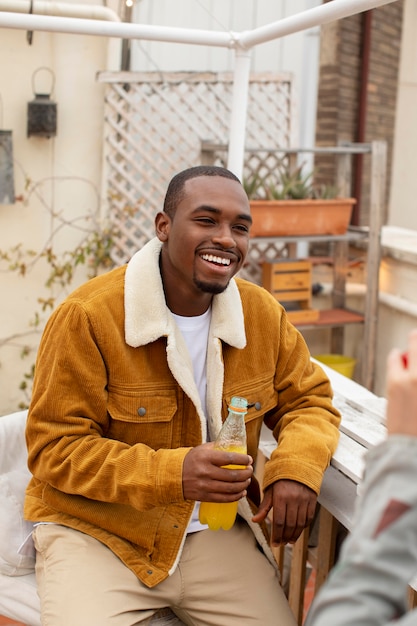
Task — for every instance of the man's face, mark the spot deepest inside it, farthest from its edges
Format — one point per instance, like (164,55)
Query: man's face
(206,242)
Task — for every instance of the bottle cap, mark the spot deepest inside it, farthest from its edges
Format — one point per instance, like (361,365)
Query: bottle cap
(239,405)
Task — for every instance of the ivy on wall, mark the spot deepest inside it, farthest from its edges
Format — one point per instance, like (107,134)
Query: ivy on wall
(90,256)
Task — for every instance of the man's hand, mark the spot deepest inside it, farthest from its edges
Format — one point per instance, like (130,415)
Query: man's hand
(205,478)
(293,507)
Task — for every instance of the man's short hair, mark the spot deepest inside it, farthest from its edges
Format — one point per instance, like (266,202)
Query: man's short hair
(175,191)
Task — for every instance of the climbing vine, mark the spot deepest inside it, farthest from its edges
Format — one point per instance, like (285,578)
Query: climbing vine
(91,255)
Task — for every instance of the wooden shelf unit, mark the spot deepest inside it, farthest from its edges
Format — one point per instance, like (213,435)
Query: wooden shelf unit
(289,281)
(338,316)
(332,318)
(343,154)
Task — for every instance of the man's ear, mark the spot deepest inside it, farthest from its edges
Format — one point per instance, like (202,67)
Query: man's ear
(162,226)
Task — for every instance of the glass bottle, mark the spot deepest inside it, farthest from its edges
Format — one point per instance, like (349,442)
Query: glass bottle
(231,438)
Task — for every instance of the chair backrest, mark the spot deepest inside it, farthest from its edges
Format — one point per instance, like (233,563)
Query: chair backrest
(14,477)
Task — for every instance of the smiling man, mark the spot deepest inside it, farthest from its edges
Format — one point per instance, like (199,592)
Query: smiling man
(134,374)
(206,239)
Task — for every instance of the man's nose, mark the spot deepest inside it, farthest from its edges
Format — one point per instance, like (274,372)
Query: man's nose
(224,237)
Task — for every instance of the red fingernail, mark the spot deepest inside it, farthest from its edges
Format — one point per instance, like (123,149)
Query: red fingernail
(404,357)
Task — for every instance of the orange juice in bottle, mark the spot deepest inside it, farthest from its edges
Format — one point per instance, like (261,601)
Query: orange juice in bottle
(232,438)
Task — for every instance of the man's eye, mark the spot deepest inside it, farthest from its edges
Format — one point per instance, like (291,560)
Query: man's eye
(243,227)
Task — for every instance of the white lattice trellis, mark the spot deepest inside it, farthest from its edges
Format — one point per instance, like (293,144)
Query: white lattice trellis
(154,127)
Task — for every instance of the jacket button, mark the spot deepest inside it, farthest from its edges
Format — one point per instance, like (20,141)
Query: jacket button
(258,406)
(141,411)
(149,572)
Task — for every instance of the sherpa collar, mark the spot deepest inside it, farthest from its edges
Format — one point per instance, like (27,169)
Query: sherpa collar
(146,315)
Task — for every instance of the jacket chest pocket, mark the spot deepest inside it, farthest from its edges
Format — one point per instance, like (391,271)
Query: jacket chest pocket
(142,417)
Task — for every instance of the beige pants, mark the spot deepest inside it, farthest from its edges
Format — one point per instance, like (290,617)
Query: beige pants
(222,580)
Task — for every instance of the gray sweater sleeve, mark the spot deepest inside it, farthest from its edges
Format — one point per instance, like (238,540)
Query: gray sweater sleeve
(369,584)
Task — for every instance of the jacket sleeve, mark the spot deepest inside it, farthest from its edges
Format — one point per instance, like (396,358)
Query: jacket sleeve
(305,422)
(369,584)
(68,420)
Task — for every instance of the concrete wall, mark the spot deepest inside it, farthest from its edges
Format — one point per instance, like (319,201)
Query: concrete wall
(403,200)
(55,179)
(397,313)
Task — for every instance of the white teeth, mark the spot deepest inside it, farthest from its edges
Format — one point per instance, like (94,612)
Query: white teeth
(215,259)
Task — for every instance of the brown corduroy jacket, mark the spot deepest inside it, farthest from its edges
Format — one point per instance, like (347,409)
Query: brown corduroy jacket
(115,409)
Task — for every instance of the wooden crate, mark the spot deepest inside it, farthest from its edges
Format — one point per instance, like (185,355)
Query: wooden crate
(290,282)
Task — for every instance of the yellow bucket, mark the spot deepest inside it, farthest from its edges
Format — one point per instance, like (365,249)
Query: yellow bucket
(343,364)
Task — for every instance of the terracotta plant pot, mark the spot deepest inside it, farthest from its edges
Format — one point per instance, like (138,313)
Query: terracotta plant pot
(274,218)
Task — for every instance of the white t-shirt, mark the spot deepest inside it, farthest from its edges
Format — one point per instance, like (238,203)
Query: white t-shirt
(195,331)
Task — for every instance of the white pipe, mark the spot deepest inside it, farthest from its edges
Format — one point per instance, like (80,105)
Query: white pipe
(117,29)
(322,14)
(328,12)
(61,9)
(238,113)
(65,9)
(398,303)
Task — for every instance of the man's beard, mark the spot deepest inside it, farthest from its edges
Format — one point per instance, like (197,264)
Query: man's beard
(213,288)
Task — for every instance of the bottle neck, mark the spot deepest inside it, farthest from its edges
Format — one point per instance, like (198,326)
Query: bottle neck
(233,432)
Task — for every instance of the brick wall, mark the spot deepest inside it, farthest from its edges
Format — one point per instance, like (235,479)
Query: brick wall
(340,94)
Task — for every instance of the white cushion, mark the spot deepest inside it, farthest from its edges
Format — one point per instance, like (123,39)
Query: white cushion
(19,599)
(14,477)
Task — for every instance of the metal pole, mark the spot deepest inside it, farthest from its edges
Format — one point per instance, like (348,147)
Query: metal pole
(322,14)
(376,220)
(239,109)
(117,29)
(59,8)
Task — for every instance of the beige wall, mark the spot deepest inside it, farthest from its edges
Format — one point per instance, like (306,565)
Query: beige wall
(64,173)
(397,313)
(403,201)
(398,276)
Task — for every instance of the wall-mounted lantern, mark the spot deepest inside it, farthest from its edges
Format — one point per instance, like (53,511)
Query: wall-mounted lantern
(6,165)
(42,111)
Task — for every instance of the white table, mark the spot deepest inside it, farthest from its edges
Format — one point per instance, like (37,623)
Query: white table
(362,426)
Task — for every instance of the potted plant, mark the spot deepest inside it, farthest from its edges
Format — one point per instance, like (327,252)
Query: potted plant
(293,206)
